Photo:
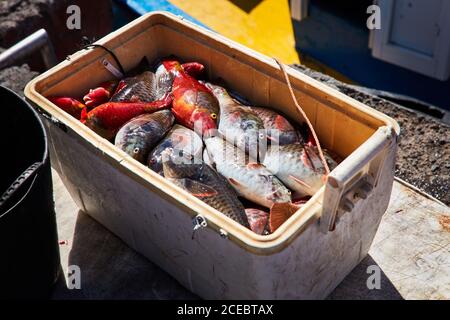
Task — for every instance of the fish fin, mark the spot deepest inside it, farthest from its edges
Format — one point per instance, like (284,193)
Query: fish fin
(234,182)
(254,165)
(279,213)
(198,189)
(83,116)
(257,219)
(281,123)
(299,181)
(157,105)
(194,69)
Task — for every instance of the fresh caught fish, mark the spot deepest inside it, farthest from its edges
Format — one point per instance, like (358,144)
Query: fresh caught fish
(165,78)
(193,103)
(204,183)
(107,118)
(100,95)
(298,166)
(139,135)
(278,128)
(239,124)
(182,140)
(258,220)
(70,105)
(251,180)
(141,88)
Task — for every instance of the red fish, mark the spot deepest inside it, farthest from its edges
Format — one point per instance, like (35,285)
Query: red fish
(99,95)
(193,102)
(257,219)
(107,118)
(70,105)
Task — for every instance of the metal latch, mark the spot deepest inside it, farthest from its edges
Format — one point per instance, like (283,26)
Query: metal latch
(198,222)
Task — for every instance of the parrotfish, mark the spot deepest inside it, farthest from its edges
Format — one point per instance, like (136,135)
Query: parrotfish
(194,106)
(107,118)
(70,105)
(139,135)
(182,140)
(205,183)
(100,95)
(298,166)
(250,179)
(239,124)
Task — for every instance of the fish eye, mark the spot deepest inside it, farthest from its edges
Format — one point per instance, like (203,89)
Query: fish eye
(136,150)
(262,135)
(213,116)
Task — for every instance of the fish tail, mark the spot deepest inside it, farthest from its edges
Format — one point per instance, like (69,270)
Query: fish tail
(279,213)
(159,104)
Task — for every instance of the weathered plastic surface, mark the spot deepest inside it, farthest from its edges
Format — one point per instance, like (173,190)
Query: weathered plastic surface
(154,217)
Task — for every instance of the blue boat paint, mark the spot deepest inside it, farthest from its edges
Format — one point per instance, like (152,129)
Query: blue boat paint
(144,6)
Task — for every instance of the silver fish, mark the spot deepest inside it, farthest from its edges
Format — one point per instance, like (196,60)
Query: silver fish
(239,124)
(205,183)
(278,129)
(251,180)
(139,135)
(298,166)
(182,140)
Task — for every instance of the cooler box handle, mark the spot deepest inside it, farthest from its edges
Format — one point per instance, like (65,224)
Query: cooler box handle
(354,178)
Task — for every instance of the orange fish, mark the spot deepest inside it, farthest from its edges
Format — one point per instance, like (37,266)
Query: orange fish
(193,102)
(70,105)
(99,95)
(107,118)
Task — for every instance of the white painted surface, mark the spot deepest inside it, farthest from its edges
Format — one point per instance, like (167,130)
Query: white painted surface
(415,34)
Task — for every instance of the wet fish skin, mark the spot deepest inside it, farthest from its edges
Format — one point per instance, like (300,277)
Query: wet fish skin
(205,183)
(141,88)
(107,118)
(285,134)
(238,123)
(139,135)
(193,103)
(258,220)
(100,94)
(180,139)
(70,105)
(298,166)
(165,78)
(251,180)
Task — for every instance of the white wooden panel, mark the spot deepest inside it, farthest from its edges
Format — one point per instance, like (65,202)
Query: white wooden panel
(415,34)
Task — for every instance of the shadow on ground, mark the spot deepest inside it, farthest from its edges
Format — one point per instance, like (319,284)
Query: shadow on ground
(246,5)
(354,286)
(112,270)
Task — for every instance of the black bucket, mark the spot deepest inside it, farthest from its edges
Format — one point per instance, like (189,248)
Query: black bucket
(29,253)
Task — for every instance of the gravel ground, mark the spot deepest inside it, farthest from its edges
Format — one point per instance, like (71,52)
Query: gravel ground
(424,147)
(16,78)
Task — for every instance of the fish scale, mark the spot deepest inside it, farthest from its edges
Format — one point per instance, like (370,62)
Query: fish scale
(298,166)
(138,136)
(141,88)
(205,183)
(251,180)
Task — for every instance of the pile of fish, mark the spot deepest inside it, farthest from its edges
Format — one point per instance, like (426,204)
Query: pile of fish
(248,162)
